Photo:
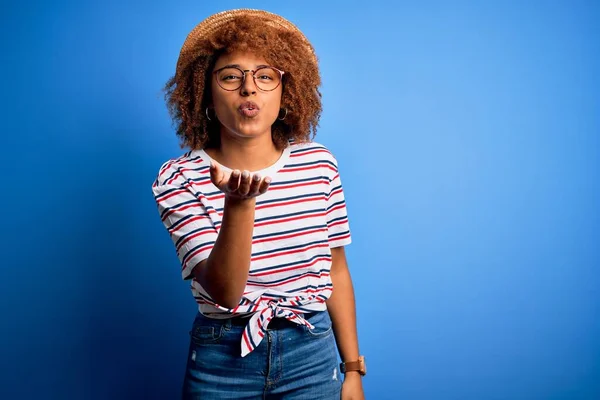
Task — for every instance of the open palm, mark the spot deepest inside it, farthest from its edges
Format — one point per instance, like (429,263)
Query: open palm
(238,184)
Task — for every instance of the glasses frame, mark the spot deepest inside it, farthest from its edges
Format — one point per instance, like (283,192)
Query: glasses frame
(244,71)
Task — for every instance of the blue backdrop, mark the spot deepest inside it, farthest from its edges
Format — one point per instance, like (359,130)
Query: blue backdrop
(467,135)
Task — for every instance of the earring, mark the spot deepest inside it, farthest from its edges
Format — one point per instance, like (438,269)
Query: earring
(285,115)
(207,117)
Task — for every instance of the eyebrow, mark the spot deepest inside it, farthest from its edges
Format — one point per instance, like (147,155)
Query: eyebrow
(240,67)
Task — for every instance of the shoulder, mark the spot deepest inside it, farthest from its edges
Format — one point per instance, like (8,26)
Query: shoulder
(312,151)
(174,169)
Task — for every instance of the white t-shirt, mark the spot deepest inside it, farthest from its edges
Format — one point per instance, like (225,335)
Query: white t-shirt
(297,222)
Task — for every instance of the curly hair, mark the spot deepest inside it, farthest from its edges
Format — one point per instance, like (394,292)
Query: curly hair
(188,92)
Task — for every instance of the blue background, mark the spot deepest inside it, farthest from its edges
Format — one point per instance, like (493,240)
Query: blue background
(467,135)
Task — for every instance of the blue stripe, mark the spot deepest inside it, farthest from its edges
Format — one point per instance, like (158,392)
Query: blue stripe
(250,337)
(302,196)
(334,235)
(336,220)
(309,163)
(187,255)
(183,166)
(336,204)
(281,216)
(305,149)
(315,178)
(184,237)
(283,233)
(291,264)
(166,192)
(281,249)
(282,183)
(334,189)
(175,206)
(293,293)
(289,277)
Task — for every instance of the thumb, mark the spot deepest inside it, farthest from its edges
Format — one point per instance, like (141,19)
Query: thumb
(216,173)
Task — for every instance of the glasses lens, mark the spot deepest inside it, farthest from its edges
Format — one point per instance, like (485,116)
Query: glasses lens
(230,78)
(267,78)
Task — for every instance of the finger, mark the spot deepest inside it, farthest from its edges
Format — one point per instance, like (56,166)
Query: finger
(234,181)
(244,184)
(216,174)
(264,185)
(254,185)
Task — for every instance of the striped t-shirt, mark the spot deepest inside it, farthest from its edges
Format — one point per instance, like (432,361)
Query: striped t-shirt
(297,221)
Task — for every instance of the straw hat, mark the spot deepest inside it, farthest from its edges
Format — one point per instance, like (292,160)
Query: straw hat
(217,21)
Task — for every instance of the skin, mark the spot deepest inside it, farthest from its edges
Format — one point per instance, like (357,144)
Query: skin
(246,145)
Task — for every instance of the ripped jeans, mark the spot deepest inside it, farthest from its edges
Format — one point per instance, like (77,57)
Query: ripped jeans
(292,362)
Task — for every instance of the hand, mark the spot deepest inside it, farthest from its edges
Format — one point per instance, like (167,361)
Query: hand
(239,185)
(352,387)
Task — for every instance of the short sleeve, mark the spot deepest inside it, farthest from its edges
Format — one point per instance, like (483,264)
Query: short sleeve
(338,228)
(187,222)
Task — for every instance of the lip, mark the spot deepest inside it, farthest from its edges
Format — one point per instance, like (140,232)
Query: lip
(248,109)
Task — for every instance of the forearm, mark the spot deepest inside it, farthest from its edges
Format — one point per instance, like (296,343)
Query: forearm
(225,272)
(342,309)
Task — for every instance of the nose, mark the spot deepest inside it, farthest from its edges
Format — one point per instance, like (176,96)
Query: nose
(248,86)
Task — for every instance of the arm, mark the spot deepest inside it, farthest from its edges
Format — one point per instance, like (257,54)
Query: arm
(225,272)
(342,309)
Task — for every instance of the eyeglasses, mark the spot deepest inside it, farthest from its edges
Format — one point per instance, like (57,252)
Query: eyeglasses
(265,78)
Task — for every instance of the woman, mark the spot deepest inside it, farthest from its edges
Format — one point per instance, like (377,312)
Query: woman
(257,215)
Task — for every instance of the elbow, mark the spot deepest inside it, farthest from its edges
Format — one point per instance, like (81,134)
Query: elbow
(229,301)
(219,288)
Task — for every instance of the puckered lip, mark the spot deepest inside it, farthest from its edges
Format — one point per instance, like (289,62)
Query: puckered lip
(249,105)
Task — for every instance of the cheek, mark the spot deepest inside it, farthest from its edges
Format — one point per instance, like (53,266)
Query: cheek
(274,104)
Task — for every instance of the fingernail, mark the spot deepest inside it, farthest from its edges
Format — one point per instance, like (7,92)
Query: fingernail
(268,180)
(256,177)
(236,173)
(245,174)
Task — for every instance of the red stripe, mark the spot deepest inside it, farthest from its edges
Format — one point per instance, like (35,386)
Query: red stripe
(290,280)
(203,183)
(300,250)
(175,193)
(309,167)
(297,201)
(338,207)
(338,223)
(335,192)
(198,251)
(339,238)
(187,239)
(277,271)
(300,154)
(274,238)
(180,209)
(189,221)
(245,337)
(298,185)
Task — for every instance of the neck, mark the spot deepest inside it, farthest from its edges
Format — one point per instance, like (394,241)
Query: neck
(252,154)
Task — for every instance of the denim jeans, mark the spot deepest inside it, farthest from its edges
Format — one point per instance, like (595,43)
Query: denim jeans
(292,362)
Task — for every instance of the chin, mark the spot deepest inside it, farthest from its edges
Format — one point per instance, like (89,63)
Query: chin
(252,130)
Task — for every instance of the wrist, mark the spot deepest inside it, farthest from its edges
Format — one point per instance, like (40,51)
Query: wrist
(240,203)
(352,375)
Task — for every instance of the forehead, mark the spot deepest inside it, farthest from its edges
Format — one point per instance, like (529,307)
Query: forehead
(244,59)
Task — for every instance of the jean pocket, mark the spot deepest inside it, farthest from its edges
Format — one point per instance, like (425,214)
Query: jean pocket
(204,334)
(322,325)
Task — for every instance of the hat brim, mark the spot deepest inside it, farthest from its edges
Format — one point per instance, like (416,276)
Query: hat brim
(216,21)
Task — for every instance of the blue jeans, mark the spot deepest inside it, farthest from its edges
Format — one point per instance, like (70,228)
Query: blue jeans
(292,362)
